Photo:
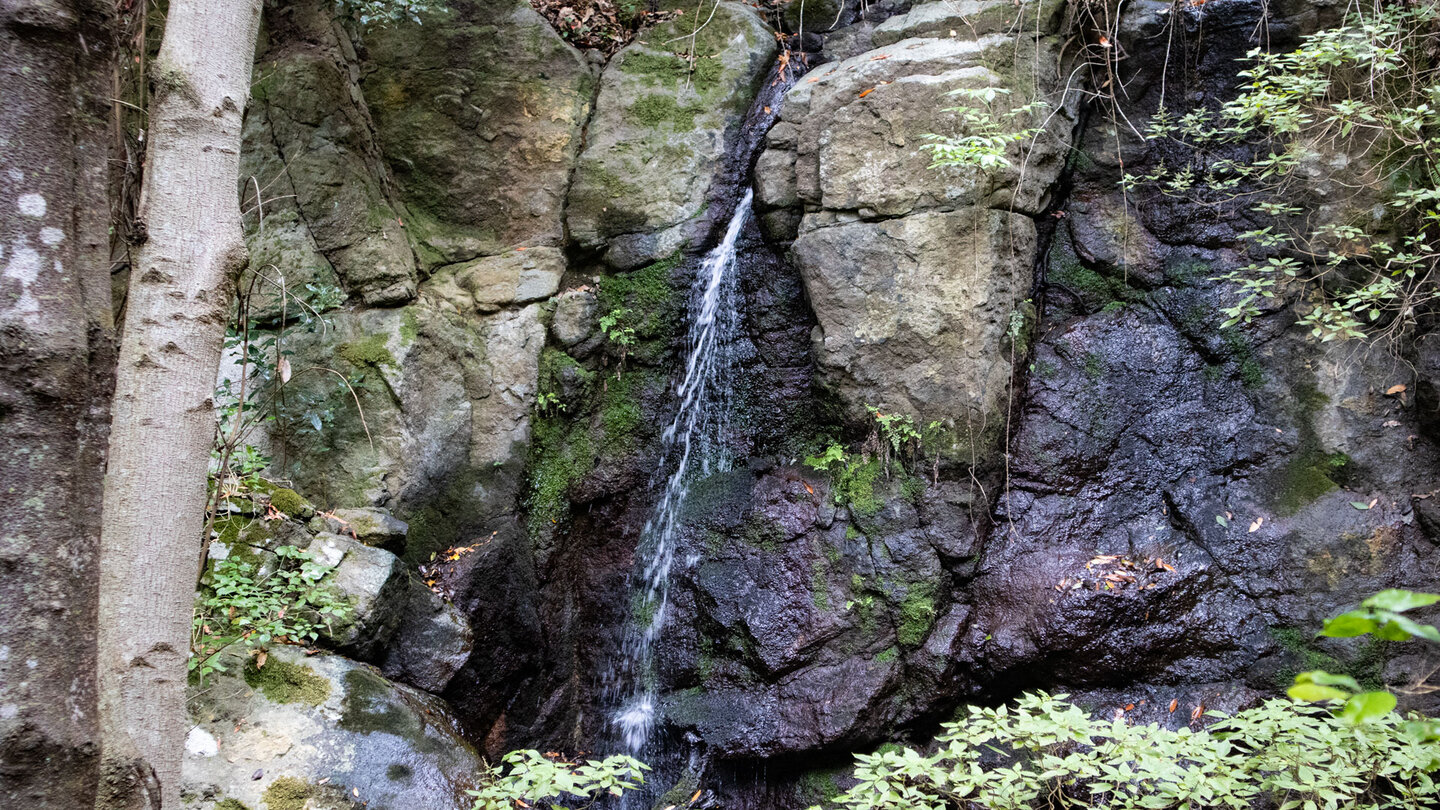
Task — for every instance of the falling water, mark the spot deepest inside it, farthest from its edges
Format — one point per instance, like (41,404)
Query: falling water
(694,445)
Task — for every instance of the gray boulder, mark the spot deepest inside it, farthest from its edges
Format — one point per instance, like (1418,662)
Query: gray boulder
(433,641)
(666,104)
(372,582)
(323,733)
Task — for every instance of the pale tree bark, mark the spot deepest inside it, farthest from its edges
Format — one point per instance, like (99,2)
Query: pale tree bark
(163,421)
(56,357)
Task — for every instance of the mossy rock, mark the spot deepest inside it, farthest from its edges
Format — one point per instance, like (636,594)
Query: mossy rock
(284,682)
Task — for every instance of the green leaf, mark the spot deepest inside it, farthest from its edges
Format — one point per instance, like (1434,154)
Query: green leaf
(1400,601)
(1328,679)
(1314,692)
(1349,625)
(1369,706)
(1360,505)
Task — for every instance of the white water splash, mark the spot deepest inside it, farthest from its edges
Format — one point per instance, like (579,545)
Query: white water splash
(694,444)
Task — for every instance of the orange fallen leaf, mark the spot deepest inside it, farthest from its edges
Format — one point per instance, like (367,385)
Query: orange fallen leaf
(878,58)
(696,796)
(1395,389)
(1173,703)
(808,488)
(1129,707)
(864,93)
(1199,710)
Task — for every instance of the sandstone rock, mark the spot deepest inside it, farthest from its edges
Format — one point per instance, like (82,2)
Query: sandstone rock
(446,399)
(325,733)
(490,283)
(479,110)
(310,132)
(660,130)
(574,318)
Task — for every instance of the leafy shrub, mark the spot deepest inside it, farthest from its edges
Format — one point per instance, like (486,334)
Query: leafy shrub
(1380,615)
(530,779)
(1369,89)
(242,604)
(1046,753)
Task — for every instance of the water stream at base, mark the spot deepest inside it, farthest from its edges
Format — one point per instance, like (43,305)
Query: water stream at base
(694,444)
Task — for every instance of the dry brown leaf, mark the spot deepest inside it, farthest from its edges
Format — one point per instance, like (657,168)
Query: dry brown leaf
(1398,388)
(1173,703)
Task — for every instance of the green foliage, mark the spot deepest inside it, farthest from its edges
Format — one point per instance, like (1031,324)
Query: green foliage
(526,778)
(241,603)
(548,403)
(1379,615)
(1046,753)
(1369,89)
(989,130)
(381,13)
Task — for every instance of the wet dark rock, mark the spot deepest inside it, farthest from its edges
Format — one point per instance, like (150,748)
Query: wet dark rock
(431,643)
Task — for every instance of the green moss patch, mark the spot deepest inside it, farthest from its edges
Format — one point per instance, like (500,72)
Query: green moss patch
(284,682)
(655,110)
(368,351)
(673,70)
(917,613)
(289,502)
(286,793)
(231,804)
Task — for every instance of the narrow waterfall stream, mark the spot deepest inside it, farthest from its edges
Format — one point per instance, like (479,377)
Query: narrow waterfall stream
(694,445)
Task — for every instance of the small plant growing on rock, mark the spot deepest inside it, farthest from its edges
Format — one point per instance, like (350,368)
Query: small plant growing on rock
(988,130)
(614,326)
(1379,615)
(527,779)
(241,604)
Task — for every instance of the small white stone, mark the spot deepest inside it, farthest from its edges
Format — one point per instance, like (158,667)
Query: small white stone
(51,236)
(201,743)
(31,205)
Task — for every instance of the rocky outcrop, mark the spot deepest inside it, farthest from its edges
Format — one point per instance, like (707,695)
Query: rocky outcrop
(321,732)
(919,277)
(478,111)
(669,105)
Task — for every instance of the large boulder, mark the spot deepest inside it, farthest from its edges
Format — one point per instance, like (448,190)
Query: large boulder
(442,424)
(371,582)
(479,110)
(919,276)
(433,641)
(321,732)
(914,314)
(668,107)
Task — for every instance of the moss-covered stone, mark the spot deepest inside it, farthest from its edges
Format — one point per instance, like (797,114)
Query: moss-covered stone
(1366,665)
(649,295)
(286,793)
(367,351)
(917,613)
(671,70)
(290,502)
(653,110)
(817,787)
(284,682)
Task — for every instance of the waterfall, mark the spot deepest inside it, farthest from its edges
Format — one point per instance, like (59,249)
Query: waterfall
(694,445)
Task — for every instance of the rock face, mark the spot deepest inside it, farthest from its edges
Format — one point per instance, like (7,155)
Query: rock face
(321,732)
(1112,495)
(918,277)
(478,111)
(667,106)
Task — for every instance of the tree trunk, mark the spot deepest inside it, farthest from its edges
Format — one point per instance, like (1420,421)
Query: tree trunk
(163,424)
(56,356)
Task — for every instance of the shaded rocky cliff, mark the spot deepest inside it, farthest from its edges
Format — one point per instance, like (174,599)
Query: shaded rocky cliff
(1114,495)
